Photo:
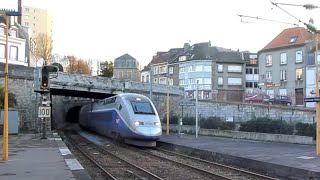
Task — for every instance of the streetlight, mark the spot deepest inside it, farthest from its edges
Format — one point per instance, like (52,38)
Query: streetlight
(197,108)
(6,77)
(168,102)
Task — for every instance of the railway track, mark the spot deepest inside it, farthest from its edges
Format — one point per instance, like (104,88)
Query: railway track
(227,172)
(170,165)
(113,166)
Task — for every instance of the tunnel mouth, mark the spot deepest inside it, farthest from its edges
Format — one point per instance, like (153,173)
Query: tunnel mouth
(73,114)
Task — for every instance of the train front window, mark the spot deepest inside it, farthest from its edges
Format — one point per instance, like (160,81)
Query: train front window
(142,107)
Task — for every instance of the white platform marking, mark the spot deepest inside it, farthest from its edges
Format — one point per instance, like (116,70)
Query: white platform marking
(305,157)
(64,151)
(73,164)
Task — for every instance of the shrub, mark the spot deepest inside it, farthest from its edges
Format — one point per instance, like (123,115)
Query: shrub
(189,121)
(216,123)
(267,125)
(306,129)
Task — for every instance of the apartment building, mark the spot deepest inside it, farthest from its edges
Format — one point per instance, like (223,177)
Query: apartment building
(217,73)
(126,67)
(16,42)
(252,72)
(282,64)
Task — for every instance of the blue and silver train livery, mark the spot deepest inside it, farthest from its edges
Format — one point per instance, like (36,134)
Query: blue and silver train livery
(129,117)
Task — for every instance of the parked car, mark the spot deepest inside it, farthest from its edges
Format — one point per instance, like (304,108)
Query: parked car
(258,98)
(282,100)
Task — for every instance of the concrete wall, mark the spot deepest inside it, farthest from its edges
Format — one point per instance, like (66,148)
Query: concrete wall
(241,135)
(245,112)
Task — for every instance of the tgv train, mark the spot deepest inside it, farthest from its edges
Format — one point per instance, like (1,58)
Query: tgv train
(129,117)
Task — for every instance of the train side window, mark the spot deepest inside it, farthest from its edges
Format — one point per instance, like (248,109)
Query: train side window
(120,107)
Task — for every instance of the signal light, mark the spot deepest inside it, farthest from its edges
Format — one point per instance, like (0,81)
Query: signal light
(44,77)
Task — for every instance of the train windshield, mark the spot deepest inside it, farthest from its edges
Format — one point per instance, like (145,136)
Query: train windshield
(142,107)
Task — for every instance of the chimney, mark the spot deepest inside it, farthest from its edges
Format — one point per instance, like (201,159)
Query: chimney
(20,11)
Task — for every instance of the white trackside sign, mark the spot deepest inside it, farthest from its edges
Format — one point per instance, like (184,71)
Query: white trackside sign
(44,112)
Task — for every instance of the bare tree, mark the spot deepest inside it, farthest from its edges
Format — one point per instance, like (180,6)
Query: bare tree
(43,48)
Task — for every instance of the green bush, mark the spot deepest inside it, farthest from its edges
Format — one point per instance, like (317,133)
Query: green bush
(189,121)
(306,129)
(172,119)
(216,123)
(267,125)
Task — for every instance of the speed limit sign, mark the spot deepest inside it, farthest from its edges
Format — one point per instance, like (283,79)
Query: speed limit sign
(44,112)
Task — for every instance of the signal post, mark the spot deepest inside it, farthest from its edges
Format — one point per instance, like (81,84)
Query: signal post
(44,111)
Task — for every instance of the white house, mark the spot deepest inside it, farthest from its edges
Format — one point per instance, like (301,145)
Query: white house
(16,46)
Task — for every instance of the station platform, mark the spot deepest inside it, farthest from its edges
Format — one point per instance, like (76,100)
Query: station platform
(33,158)
(280,160)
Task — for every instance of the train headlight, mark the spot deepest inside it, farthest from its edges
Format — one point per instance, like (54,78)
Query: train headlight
(157,123)
(137,123)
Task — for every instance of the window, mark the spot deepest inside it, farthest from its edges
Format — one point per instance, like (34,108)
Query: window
(255,84)
(27,9)
(293,39)
(181,69)
(191,81)
(262,77)
(171,70)
(147,78)
(220,68)
(256,71)
(232,68)
(26,24)
(248,70)
(182,58)
(249,84)
(162,69)
(155,70)
(268,76)
(298,56)
(283,58)
(299,74)
(198,68)
(220,80)
(26,17)
(206,80)
(142,107)
(162,81)
(2,50)
(191,68)
(14,53)
(269,60)
(155,80)
(2,30)
(207,68)
(283,75)
(270,92)
(171,82)
(283,92)
(235,81)
(182,82)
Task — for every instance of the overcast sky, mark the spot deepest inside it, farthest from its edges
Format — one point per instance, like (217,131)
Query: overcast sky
(107,29)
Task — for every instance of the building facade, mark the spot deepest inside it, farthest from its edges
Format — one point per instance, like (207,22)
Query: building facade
(252,72)
(282,64)
(126,67)
(39,22)
(16,44)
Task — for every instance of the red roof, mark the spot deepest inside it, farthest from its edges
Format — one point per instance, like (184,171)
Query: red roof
(283,39)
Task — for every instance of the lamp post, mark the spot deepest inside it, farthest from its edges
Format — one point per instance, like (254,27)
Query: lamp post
(317,93)
(6,84)
(168,105)
(197,108)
